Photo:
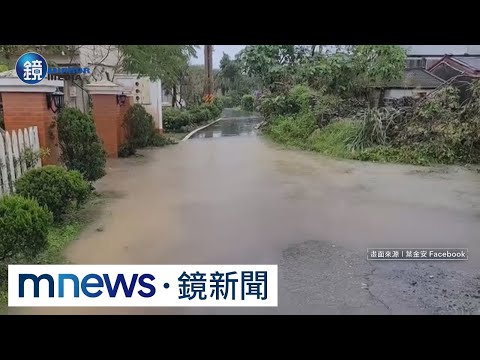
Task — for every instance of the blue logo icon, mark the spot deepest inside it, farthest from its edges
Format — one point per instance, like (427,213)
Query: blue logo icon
(31,68)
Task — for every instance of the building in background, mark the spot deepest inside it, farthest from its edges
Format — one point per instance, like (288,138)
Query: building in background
(426,55)
(417,82)
(429,67)
(105,65)
(145,92)
(450,66)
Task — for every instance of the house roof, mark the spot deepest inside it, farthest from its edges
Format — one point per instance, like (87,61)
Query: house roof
(429,50)
(472,62)
(417,78)
(463,64)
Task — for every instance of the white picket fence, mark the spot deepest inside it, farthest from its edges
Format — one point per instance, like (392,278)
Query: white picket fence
(13,149)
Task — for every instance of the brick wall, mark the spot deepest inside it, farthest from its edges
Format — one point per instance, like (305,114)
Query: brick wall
(108,117)
(22,110)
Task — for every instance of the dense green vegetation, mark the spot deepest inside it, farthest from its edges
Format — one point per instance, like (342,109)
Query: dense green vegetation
(54,187)
(332,104)
(186,120)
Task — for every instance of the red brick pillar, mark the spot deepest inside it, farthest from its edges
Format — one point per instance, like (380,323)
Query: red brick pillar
(107,114)
(24,109)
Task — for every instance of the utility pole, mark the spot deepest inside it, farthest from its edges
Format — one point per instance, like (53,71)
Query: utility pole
(208,87)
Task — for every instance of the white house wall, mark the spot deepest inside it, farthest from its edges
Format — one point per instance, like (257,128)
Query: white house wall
(154,104)
(108,55)
(88,56)
(399,93)
(75,96)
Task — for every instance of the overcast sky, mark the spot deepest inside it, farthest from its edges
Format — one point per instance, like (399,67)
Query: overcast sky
(218,51)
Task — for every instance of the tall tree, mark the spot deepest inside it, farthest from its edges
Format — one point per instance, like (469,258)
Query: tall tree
(191,90)
(230,74)
(377,65)
(272,63)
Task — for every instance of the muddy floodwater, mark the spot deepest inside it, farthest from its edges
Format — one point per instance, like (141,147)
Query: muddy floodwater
(229,196)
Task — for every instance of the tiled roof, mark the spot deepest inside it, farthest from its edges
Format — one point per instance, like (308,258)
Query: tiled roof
(473,62)
(417,78)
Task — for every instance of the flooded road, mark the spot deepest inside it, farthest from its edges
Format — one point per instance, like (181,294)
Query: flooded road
(229,127)
(223,199)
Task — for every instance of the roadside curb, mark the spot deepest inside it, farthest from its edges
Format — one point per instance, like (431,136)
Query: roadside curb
(200,128)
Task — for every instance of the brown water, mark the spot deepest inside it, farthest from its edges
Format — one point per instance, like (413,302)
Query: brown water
(240,199)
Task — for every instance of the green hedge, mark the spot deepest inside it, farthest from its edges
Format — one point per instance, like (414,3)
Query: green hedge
(81,148)
(180,120)
(54,187)
(23,227)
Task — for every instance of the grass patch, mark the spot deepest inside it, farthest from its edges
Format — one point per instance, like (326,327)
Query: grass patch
(292,130)
(335,140)
(388,154)
(59,237)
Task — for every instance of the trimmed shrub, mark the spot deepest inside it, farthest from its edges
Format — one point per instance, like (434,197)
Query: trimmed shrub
(247,102)
(199,114)
(81,148)
(54,187)
(23,227)
(177,120)
(174,119)
(203,113)
(215,109)
(209,112)
(141,132)
(140,127)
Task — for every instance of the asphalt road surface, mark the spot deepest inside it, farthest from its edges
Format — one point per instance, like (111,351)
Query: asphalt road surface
(229,196)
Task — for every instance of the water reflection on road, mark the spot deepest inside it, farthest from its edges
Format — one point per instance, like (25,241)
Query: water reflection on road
(229,127)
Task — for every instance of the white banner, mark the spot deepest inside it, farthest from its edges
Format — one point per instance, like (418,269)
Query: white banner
(142,285)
